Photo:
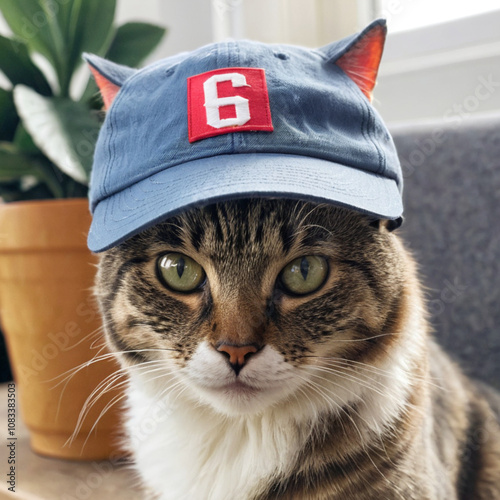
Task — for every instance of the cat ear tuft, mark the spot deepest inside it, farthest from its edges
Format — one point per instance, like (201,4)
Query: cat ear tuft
(359,56)
(108,76)
(107,88)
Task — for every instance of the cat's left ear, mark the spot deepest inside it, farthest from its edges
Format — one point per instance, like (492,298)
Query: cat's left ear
(109,76)
(359,55)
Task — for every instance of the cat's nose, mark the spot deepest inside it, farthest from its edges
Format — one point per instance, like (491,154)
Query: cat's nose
(237,355)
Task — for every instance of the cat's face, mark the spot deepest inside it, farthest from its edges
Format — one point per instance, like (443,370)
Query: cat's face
(243,305)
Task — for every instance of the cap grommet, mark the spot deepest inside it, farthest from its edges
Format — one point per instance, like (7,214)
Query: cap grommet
(282,56)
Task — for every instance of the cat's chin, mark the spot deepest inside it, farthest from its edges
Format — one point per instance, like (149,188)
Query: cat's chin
(237,398)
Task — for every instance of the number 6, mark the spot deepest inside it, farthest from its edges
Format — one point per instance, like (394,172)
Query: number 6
(213,102)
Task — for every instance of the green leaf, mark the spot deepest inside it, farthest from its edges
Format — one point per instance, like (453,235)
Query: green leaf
(64,130)
(8,116)
(133,42)
(14,165)
(61,30)
(34,22)
(24,143)
(17,66)
(87,26)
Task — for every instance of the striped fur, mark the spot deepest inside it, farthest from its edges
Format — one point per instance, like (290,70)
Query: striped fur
(349,399)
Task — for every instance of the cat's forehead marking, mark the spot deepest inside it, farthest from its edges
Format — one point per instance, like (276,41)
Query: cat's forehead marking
(240,228)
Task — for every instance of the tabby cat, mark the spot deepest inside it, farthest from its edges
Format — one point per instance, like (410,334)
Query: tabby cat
(280,350)
(268,318)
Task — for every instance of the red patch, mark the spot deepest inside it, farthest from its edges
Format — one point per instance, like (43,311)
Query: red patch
(228,100)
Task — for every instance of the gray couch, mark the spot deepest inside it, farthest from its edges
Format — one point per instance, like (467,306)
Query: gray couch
(452,225)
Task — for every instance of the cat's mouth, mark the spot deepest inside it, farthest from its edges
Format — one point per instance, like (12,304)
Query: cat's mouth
(238,388)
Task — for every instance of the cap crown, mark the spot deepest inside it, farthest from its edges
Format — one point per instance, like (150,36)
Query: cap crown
(316,110)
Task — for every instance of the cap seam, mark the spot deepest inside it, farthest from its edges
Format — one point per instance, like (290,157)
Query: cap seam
(368,121)
(371,128)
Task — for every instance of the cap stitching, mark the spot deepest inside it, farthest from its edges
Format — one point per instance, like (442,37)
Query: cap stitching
(371,127)
(233,62)
(367,118)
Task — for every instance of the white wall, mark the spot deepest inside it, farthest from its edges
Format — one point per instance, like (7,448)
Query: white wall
(192,23)
(188,21)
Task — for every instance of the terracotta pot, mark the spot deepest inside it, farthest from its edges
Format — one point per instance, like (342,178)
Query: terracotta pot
(52,326)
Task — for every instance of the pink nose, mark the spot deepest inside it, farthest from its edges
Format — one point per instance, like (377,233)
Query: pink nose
(237,355)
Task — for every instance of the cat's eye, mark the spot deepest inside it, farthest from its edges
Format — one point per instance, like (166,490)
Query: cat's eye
(304,275)
(179,272)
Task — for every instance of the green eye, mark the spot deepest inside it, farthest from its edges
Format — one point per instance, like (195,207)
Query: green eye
(179,272)
(304,275)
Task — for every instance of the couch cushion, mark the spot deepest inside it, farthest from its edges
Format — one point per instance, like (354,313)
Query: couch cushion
(452,224)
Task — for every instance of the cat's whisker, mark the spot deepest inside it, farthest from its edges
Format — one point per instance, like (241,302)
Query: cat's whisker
(352,378)
(364,339)
(170,388)
(321,390)
(109,384)
(98,332)
(72,371)
(111,403)
(304,228)
(68,375)
(359,365)
(343,409)
(98,358)
(364,371)
(304,393)
(356,396)
(96,394)
(67,379)
(384,394)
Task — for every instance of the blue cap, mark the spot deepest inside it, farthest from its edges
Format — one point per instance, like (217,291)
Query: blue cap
(241,119)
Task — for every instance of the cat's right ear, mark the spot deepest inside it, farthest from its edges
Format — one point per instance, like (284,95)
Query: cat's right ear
(109,76)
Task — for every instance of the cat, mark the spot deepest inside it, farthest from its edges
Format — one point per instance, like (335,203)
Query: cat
(253,287)
(341,392)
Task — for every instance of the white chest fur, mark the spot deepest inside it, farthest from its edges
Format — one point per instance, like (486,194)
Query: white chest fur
(183,451)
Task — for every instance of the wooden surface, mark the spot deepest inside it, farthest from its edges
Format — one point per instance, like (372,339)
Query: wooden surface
(41,478)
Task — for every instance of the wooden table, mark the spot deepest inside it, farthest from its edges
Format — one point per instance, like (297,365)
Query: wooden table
(41,478)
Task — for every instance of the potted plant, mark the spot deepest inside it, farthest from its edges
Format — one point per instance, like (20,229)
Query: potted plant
(47,138)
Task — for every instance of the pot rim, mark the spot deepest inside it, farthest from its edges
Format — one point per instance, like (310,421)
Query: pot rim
(44,225)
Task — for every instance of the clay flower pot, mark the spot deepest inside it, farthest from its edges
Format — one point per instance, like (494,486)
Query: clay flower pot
(52,326)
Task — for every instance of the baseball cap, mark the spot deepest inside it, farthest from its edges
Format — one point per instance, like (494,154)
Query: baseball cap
(239,119)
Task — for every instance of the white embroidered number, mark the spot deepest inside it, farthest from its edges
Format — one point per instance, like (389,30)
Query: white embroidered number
(213,102)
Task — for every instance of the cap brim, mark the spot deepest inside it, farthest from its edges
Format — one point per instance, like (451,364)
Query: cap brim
(228,177)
